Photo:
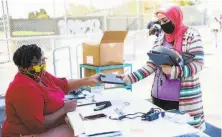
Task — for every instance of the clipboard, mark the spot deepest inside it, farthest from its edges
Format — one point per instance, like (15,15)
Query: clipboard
(161,59)
(112,79)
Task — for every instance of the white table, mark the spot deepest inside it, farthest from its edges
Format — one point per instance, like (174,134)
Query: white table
(130,128)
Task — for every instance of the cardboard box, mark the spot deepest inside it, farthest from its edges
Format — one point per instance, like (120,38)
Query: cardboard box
(109,51)
(88,73)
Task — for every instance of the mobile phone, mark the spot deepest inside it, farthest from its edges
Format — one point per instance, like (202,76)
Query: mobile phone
(93,117)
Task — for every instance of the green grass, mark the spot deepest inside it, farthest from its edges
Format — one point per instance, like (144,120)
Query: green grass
(31,33)
(1,34)
(27,33)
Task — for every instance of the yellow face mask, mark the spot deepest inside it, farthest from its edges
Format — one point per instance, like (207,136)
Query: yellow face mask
(39,68)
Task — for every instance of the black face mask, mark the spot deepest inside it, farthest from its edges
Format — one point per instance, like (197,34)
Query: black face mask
(168,27)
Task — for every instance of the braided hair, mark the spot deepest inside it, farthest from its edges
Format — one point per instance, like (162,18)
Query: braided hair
(24,55)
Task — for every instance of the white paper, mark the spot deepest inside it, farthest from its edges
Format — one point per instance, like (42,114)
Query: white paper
(100,126)
(178,118)
(84,101)
(89,59)
(76,122)
(97,89)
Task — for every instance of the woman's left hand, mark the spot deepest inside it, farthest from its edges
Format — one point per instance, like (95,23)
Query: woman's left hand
(166,69)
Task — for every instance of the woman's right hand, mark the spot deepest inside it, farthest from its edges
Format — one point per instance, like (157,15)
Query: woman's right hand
(70,106)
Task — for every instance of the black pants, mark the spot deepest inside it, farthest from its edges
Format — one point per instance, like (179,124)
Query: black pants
(166,105)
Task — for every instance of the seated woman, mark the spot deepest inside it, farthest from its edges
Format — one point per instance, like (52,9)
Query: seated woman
(35,99)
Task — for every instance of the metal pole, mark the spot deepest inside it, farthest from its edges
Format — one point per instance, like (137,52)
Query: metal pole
(8,20)
(54,62)
(53,48)
(65,18)
(138,13)
(54,9)
(8,30)
(77,61)
(5,29)
(91,5)
(70,62)
(105,20)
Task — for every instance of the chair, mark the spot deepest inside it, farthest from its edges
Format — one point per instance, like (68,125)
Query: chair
(2,113)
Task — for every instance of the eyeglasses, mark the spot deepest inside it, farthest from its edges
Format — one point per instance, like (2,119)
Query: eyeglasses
(39,62)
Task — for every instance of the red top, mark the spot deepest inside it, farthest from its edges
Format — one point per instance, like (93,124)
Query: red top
(27,102)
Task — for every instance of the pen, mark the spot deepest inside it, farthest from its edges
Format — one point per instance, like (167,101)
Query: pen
(86,104)
(114,133)
(81,116)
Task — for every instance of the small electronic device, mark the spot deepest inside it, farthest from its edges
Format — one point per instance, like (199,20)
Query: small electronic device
(93,117)
(111,79)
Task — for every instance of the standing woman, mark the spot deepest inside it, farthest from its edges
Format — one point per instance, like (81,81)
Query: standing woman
(176,87)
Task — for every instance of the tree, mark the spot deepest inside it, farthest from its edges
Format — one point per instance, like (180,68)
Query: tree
(42,14)
(184,2)
(42,11)
(36,13)
(31,15)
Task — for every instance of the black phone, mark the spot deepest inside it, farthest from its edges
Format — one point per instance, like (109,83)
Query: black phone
(96,116)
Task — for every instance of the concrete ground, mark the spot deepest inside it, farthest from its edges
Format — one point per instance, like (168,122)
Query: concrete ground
(211,77)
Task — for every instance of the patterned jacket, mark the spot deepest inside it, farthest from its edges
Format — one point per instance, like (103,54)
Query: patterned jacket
(190,93)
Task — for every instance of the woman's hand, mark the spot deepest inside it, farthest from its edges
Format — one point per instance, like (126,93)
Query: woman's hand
(166,69)
(67,121)
(125,78)
(70,106)
(95,79)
